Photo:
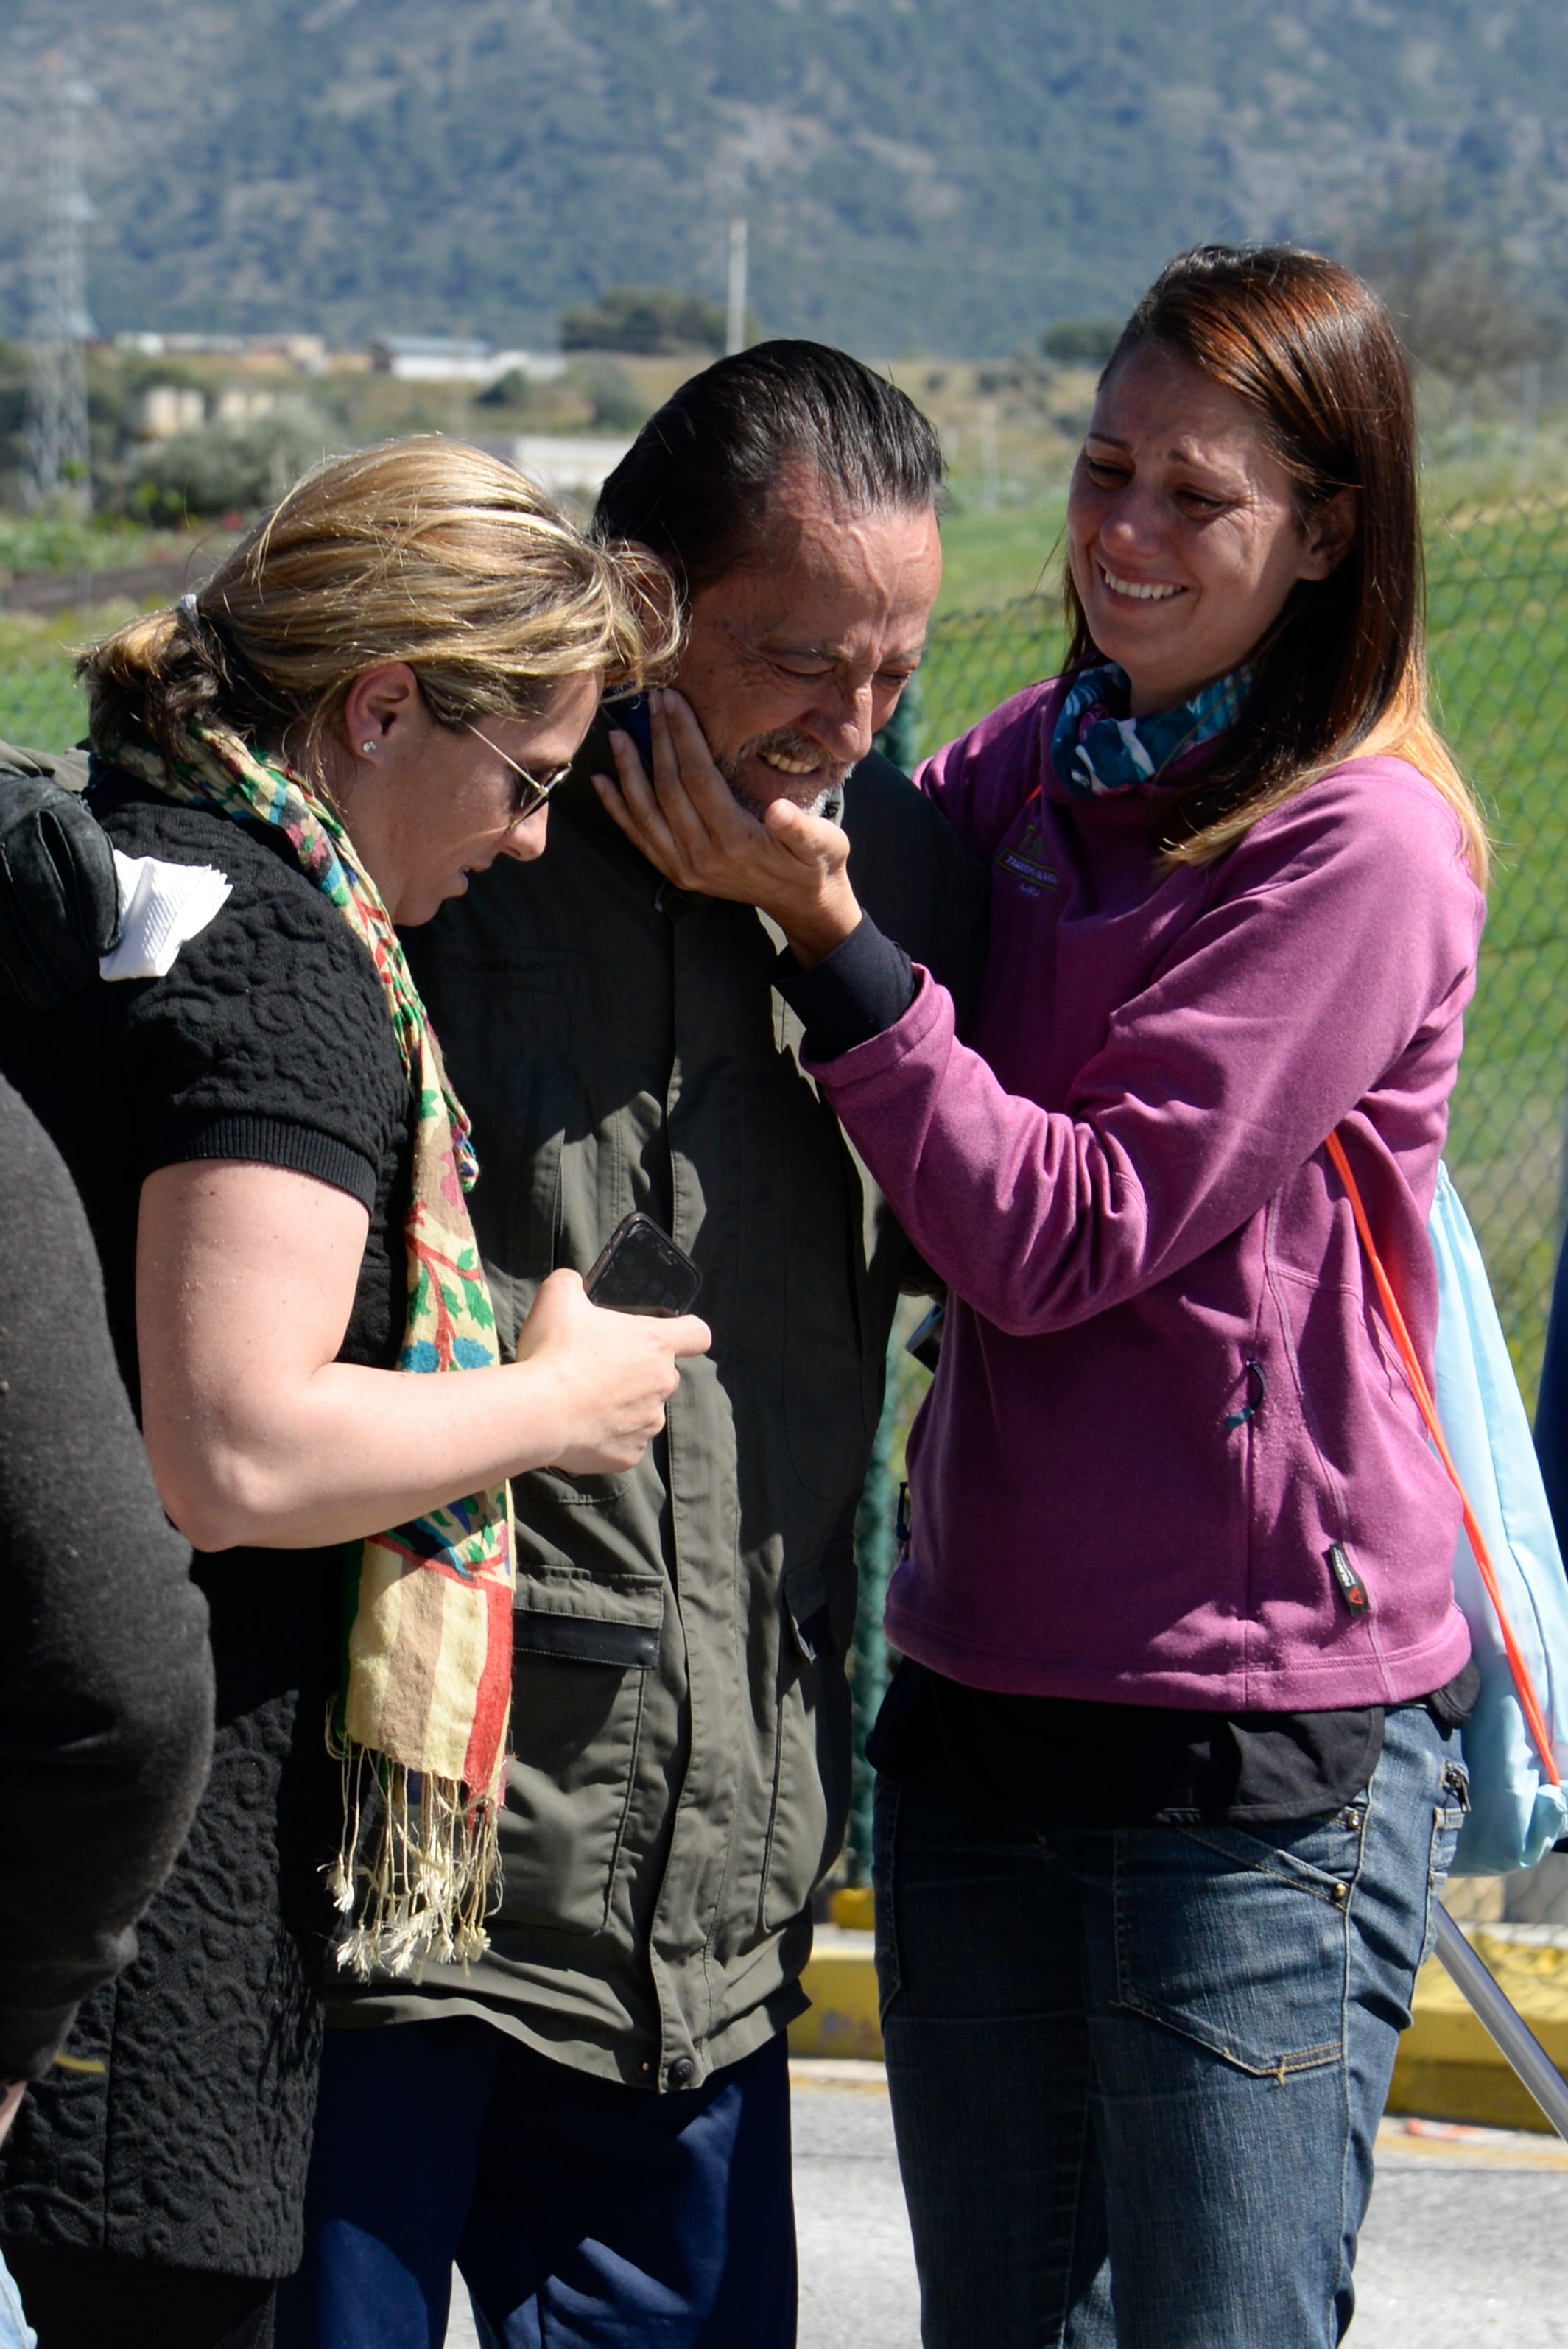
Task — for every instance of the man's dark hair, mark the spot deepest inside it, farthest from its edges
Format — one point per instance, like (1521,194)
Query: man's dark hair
(695,484)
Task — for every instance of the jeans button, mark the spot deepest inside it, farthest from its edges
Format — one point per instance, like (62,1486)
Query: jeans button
(680,2072)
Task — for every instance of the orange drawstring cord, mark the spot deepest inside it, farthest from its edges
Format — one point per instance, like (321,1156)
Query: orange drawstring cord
(1522,1682)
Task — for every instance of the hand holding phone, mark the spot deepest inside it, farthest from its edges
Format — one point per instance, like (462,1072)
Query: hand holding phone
(609,1375)
(641,1271)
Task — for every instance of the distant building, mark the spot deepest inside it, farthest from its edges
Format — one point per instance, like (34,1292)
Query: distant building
(429,359)
(237,404)
(160,347)
(165,408)
(447,358)
(560,461)
(306,352)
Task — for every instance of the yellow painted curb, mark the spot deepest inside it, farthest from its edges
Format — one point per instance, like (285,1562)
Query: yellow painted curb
(840,1981)
(853,1907)
(1448,2068)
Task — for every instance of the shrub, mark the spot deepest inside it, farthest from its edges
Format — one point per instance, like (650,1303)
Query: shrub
(618,405)
(653,321)
(1081,342)
(513,389)
(220,469)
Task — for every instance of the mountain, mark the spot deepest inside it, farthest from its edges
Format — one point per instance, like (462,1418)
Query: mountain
(944,175)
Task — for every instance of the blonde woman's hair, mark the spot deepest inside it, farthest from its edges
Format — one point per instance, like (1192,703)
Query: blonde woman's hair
(424,551)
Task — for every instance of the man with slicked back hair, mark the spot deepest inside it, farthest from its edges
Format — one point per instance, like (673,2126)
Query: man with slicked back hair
(605,2099)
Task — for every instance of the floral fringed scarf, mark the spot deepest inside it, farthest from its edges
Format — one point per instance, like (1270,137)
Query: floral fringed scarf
(420,1719)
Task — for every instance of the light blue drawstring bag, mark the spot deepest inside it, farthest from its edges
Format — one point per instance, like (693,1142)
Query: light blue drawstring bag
(1516,1814)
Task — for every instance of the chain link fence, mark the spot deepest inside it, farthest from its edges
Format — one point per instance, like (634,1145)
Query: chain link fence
(1498,600)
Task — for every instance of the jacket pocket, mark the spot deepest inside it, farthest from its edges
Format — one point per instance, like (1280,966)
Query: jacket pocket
(582,1649)
(811,1773)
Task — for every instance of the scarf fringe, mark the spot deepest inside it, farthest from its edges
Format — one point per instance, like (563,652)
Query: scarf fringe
(418,1870)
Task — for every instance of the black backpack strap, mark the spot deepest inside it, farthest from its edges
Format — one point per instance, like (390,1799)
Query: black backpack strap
(60,903)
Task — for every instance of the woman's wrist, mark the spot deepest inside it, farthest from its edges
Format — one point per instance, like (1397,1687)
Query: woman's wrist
(864,986)
(813,932)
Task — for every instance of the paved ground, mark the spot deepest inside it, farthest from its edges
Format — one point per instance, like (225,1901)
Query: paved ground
(1463,2245)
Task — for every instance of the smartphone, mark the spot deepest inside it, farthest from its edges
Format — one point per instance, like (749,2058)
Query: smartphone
(640,1270)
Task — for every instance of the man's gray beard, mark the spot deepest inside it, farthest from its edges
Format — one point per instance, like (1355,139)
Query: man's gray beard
(827,804)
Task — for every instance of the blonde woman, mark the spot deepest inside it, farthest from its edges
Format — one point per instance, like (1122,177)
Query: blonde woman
(372,698)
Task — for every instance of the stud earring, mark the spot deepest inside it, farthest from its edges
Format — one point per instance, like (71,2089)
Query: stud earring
(369,749)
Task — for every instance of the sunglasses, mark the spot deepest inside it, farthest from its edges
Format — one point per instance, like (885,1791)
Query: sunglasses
(535,789)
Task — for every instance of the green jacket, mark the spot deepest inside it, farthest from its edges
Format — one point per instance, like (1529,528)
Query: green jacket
(681,1715)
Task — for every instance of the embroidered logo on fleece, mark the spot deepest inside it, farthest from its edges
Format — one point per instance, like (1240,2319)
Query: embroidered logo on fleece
(1025,858)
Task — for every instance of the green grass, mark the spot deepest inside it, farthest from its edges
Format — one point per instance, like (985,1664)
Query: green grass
(41,706)
(63,542)
(998,558)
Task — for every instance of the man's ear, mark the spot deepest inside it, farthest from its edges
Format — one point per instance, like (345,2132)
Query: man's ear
(1331,534)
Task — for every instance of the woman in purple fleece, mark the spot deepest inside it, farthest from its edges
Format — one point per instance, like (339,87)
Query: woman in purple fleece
(1171,1776)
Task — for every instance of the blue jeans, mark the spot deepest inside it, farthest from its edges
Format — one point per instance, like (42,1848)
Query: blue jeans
(1136,2074)
(581,2213)
(15,2332)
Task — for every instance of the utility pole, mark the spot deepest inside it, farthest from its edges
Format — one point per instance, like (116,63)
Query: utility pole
(990,469)
(735,324)
(59,464)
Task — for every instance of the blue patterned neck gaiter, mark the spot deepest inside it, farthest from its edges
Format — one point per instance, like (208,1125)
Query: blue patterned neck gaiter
(1096,747)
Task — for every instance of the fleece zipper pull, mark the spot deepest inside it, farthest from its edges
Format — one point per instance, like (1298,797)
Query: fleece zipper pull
(1257,1388)
(1352,1590)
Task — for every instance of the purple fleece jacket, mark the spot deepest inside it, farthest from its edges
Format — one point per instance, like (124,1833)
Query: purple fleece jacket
(1163,1396)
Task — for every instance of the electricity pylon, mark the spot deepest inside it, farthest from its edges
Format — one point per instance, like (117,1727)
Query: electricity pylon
(59,469)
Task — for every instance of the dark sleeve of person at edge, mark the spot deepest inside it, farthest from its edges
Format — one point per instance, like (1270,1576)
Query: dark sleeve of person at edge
(105,1679)
(1552,1408)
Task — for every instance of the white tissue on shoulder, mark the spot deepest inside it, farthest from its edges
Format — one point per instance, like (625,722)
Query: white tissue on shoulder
(160,907)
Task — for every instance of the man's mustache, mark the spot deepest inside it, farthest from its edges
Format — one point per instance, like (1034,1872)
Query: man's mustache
(786,744)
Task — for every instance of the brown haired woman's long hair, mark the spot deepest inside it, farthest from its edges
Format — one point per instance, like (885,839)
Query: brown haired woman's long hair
(1310,349)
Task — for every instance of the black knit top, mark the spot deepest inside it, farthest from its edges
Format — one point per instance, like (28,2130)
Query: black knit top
(269,1040)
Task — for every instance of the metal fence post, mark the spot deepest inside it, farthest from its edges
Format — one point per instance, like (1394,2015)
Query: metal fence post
(1506,2025)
